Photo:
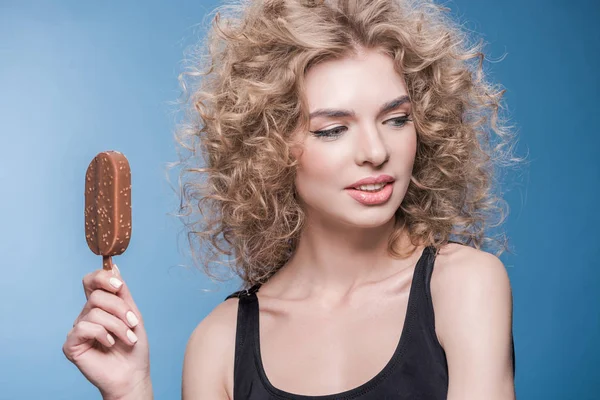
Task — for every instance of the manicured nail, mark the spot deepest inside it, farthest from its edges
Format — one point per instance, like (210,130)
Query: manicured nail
(115,270)
(131,336)
(115,283)
(132,319)
(111,340)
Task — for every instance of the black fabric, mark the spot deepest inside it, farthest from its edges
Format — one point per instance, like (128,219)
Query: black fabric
(417,369)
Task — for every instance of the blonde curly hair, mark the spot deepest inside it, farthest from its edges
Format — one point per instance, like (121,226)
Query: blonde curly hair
(244,97)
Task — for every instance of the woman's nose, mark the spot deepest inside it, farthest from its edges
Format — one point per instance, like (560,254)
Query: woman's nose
(371,147)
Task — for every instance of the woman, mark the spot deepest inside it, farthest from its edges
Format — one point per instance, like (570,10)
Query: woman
(345,143)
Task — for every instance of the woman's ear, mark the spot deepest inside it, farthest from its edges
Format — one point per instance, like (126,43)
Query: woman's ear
(297,139)
(297,150)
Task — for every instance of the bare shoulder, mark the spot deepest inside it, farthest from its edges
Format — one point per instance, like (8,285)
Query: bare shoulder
(209,354)
(459,267)
(462,276)
(472,300)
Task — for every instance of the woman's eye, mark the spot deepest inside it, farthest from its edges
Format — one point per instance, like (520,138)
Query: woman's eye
(333,132)
(400,121)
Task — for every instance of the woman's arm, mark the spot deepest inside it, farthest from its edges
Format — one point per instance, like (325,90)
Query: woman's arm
(473,308)
(209,354)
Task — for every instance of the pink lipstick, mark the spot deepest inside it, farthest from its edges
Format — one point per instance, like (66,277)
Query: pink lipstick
(379,191)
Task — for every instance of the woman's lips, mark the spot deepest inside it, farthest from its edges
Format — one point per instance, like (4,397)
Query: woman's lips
(372,198)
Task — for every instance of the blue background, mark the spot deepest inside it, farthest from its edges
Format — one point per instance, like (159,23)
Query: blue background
(80,77)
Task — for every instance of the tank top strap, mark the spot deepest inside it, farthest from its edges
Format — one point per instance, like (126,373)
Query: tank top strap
(244,292)
(425,337)
(427,314)
(244,356)
(245,317)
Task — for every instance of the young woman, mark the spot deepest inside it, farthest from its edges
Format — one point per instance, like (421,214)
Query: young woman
(345,144)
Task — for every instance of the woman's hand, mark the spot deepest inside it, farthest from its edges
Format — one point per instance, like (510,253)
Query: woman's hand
(108,342)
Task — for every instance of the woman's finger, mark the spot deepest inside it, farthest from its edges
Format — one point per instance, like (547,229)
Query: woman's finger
(101,279)
(125,294)
(112,324)
(82,332)
(112,304)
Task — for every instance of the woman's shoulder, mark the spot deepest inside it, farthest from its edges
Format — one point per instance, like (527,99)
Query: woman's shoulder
(210,351)
(458,265)
(467,282)
(472,299)
(218,327)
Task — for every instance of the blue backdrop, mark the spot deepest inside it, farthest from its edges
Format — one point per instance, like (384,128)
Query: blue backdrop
(79,77)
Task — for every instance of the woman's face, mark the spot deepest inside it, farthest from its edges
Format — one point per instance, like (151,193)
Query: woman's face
(360,128)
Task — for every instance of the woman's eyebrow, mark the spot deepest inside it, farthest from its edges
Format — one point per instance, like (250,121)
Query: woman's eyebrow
(337,113)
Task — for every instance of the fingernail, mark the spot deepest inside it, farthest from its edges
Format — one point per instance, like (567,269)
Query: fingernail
(132,319)
(131,336)
(114,282)
(115,268)
(111,340)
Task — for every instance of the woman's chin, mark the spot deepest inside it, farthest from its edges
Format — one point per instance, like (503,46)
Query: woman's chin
(369,220)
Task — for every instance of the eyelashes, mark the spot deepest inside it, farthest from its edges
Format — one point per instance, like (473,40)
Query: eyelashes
(338,130)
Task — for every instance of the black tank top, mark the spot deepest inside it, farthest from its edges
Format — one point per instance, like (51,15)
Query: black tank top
(417,369)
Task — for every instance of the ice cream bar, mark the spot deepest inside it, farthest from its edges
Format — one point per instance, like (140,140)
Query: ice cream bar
(108,205)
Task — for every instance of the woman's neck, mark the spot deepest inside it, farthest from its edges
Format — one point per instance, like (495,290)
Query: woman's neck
(333,260)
